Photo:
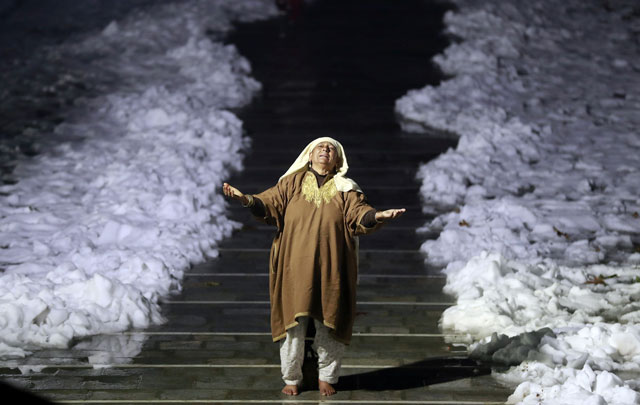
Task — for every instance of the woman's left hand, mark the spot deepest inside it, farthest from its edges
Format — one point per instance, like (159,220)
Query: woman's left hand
(382,216)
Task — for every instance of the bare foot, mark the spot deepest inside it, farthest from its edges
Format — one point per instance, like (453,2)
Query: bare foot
(290,390)
(325,388)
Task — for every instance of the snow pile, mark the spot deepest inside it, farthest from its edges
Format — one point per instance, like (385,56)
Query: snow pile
(541,191)
(126,196)
(510,297)
(570,386)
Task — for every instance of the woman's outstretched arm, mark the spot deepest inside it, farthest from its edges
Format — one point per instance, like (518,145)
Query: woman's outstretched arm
(267,206)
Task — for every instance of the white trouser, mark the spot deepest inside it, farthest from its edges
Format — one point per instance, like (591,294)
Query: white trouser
(329,351)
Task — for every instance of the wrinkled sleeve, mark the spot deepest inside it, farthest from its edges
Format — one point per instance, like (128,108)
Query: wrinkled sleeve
(274,203)
(257,209)
(358,214)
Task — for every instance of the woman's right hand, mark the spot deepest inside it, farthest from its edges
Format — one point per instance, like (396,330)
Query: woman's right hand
(234,193)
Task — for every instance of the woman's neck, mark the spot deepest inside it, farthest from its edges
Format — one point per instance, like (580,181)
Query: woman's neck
(322,171)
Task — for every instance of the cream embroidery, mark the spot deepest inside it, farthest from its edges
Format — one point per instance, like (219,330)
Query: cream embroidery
(316,195)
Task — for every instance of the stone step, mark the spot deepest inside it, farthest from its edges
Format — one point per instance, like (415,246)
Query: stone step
(380,198)
(345,118)
(256,177)
(359,149)
(205,348)
(253,317)
(444,380)
(386,238)
(291,104)
(373,261)
(206,287)
(405,159)
(256,169)
(368,185)
(280,101)
(353,139)
(412,218)
(292,107)
(291,143)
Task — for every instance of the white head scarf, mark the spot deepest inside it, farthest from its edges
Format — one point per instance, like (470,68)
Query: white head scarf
(342,183)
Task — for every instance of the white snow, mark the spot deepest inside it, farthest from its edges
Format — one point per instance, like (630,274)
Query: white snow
(539,216)
(126,196)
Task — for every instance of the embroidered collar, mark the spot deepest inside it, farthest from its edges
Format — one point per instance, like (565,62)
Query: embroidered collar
(318,195)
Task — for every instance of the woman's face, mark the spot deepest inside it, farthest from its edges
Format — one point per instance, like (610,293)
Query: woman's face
(324,155)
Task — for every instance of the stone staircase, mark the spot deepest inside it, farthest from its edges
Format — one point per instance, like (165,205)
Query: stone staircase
(335,71)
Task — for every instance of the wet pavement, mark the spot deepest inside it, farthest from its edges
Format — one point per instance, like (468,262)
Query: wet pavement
(333,70)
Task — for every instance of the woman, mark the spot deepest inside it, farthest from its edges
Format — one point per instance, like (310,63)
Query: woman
(319,214)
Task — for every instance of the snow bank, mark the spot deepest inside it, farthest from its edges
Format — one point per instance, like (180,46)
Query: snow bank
(126,197)
(542,219)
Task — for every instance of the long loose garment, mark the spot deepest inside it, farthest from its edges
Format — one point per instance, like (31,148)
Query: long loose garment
(313,265)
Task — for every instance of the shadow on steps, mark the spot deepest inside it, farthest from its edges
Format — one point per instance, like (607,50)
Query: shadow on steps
(414,375)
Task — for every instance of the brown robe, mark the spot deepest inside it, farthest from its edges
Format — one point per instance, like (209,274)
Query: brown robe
(313,265)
